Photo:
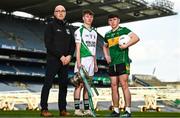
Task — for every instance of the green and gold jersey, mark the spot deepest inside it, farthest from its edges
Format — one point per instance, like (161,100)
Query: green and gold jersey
(118,55)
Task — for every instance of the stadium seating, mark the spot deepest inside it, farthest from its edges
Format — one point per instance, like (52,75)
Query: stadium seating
(21,40)
(22,33)
(6,68)
(146,80)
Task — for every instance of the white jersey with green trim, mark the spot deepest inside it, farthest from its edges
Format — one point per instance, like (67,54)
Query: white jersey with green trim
(88,39)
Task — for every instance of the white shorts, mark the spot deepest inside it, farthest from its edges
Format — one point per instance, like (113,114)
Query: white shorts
(88,63)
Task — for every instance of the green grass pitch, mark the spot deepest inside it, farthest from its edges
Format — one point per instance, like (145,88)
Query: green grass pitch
(23,113)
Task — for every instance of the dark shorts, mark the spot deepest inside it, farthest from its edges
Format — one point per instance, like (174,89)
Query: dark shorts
(119,69)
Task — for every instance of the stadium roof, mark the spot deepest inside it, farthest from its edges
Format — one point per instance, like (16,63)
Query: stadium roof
(128,10)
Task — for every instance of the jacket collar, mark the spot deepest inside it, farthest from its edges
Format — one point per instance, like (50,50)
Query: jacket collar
(60,22)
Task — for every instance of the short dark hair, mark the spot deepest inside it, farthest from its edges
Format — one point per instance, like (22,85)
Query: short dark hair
(113,16)
(88,11)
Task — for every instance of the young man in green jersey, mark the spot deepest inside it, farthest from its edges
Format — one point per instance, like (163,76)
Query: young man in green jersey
(119,63)
(85,38)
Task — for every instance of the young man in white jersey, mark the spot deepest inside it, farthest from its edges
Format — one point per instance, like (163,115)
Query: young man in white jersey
(119,63)
(85,38)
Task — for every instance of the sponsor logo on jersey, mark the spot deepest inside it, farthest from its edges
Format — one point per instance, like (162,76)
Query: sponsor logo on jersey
(91,43)
(113,41)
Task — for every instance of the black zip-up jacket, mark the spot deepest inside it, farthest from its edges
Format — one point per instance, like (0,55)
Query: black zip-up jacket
(59,39)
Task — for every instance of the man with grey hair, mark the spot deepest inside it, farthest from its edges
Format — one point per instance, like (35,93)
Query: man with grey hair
(60,45)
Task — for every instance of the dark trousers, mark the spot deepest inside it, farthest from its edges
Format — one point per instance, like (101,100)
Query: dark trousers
(55,67)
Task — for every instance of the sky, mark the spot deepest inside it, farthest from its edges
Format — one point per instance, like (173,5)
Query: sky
(158,48)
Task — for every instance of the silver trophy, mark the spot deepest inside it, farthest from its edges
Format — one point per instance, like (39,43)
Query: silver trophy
(76,80)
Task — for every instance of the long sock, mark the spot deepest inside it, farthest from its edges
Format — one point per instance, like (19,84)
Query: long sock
(77,103)
(86,104)
(128,109)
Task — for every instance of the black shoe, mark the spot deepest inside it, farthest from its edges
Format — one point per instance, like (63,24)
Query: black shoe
(126,115)
(114,114)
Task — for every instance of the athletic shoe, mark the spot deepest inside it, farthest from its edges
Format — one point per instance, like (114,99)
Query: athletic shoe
(126,115)
(88,113)
(114,114)
(78,112)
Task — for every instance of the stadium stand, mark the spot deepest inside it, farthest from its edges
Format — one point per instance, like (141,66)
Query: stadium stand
(23,52)
(21,39)
(22,32)
(6,68)
(6,38)
(146,80)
